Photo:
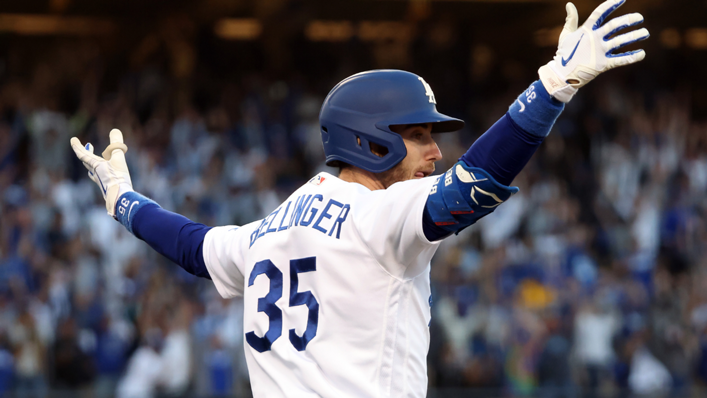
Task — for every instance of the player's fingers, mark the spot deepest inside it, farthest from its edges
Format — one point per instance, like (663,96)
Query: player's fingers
(78,148)
(89,159)
(89,148)
(116,147)
(617,24)
(626,39)
(75,143)
(627,58)
(602,12)
(571,22)
(116,136)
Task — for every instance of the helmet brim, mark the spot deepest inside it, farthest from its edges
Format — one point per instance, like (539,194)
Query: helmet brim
(440,123)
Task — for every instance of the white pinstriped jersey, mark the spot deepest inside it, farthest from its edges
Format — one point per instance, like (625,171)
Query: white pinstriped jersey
(336,289)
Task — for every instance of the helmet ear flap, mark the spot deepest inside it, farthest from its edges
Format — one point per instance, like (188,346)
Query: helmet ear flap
(374,148)
(375,152)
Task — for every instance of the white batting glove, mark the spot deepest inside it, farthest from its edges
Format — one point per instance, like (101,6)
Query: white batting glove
(587,51)
(110,172)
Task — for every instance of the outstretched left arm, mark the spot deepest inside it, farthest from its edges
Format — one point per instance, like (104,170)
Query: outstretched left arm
(496,158)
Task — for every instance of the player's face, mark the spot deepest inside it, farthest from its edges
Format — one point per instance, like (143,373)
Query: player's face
(422,153)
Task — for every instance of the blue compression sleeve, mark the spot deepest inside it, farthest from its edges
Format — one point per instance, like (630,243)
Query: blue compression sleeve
(503,150)
(170,234)
(535,111)
(509,144)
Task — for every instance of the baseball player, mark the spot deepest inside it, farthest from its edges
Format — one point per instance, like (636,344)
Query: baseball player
(336,280)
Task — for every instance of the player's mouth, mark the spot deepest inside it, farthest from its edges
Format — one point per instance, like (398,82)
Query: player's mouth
(423,174)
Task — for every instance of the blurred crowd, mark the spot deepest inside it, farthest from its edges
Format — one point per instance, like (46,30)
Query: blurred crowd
(594,275)
(592,281)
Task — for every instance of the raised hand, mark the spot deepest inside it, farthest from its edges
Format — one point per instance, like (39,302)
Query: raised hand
(585,52)
(109,172)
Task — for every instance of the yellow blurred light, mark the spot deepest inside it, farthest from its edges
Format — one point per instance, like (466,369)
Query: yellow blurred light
(336,31)
(670,38)
(384,30)
(329,31)
(697,38)
(59,5)
(238,28)
(28,24)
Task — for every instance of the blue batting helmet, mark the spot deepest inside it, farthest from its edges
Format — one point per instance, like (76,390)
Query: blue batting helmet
(364,106)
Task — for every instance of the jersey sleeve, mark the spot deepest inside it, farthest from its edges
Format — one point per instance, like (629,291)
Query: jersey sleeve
(390,223)
(223,256)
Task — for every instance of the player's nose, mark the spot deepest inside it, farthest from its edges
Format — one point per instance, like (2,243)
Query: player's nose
(433,153)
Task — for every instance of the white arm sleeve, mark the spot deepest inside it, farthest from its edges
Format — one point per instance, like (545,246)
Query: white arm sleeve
(223,248)
(390,223)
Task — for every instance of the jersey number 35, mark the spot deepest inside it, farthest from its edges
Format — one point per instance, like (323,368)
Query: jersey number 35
(267,304)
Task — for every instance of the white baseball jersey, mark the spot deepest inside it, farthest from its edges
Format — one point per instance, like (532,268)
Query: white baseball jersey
(336,289)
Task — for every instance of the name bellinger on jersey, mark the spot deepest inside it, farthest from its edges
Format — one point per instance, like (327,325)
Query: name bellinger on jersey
(303,212)
(323,289)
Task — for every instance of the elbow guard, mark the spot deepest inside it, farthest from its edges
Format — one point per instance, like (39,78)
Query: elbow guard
(463,195)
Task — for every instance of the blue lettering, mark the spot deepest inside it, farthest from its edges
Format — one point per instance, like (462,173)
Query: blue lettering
(274,215)
(325,215)
(304,213)
(281,228)
(300,209)
(340,220)
(294,212)
(254,236)
(263,226)
(314,210)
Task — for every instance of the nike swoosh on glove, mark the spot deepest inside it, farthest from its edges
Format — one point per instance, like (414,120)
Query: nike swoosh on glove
(585,52)
(109,172)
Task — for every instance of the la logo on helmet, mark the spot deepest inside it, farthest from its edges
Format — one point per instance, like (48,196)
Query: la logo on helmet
(428,91)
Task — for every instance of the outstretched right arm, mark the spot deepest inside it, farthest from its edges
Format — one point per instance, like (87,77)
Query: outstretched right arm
(170,234)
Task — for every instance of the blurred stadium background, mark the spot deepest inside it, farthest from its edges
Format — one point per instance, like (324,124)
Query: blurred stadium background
(592,282)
